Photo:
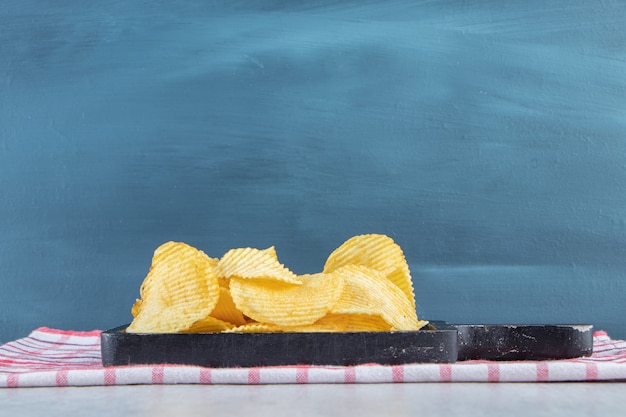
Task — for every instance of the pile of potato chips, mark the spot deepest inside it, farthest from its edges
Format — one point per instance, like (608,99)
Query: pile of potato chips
(365,286)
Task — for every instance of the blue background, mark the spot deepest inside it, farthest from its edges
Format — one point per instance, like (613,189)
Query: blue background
(487,138)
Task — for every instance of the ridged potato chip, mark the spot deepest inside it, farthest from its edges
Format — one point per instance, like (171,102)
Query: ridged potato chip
(254,263)
(328,323)
(367,291)
(136,307)
(226,310)
(422,323)
(365,323)
(255,327)
(208,325)
(378,252)
(165,252)
(283,304)
(180,289)
(365,286)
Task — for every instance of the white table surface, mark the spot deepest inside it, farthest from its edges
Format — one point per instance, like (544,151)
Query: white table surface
(440,399)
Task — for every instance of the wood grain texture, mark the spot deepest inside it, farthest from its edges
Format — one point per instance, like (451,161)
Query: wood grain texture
(487,140)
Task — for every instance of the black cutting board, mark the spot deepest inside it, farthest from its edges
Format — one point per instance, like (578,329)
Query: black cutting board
(523,342)
(438,343)
(221,350)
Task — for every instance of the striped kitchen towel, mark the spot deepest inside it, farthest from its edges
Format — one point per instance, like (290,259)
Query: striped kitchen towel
(49,357)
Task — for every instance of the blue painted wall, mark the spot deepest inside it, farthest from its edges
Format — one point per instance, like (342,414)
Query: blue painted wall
(487,138)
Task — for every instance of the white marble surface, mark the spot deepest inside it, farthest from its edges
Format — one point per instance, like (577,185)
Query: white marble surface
(545,399)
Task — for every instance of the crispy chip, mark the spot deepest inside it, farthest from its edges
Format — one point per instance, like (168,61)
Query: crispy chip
(212,261)
(283,304)
(328,323)
(271,251)
(365,286)
(179,290)
(254,263)
(378,252)
(136,307)
(367,291)
(422,324)
(226,310)
(165,251)
(254,327)
(208,325)
(365,323)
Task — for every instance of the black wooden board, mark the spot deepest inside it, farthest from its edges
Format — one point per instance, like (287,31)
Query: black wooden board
(524,342)
(438,343)
(221,350)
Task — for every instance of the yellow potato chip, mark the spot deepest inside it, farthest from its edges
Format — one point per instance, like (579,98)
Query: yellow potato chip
(162,258)
(251,263)
(365,323)
(283,304)
(180,289)
(365,286)
(378,252)
(328,323)
(254,327)
(212,261)
(136,307)
(226,310)
(208,325)
(271,251)
(422,324)
(367,291)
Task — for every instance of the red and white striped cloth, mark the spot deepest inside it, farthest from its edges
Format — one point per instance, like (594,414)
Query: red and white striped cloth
(49,357)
